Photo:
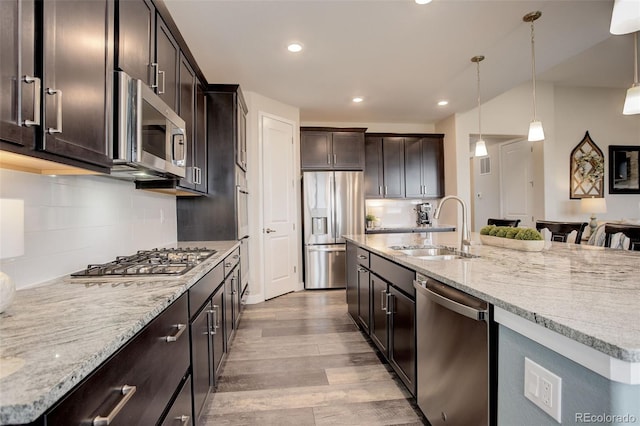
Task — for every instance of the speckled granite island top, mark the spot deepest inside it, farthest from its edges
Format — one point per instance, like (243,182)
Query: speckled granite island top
(588,294)
(56,334)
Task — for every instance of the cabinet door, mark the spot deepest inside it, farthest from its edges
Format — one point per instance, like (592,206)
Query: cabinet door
(352,281)
(379,313)
(202,374)
(168,58)
(402,340)
(413,168)
(373,171)
(77,80)
(241,150)
(218,335)
(228,310)
(433,167)
(393,167)
(315,150)
(237,291)
(136,24)
(186,112)
(348,150)
(17,53)
(364,298)
(200,142)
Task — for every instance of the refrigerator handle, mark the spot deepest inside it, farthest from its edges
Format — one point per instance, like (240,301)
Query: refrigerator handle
(332,185)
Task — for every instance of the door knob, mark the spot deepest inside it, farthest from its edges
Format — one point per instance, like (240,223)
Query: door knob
(269,230)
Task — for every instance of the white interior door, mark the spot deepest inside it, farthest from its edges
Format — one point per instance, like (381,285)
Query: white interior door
(516,165)
(279,209)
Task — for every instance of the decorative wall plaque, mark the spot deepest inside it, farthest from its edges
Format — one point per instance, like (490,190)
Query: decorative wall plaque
(587,170)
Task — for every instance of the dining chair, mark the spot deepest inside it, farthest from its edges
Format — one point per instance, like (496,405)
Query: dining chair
(632,232)
(560,230)
(503,222)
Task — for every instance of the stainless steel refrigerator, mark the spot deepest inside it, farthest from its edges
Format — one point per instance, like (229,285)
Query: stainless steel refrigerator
(333,204)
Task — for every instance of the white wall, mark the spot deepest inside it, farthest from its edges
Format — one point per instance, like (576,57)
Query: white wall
(72,221)
(257,104)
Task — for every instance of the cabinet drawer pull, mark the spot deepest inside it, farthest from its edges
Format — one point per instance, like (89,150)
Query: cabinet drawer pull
(127,393)
(184,420)
(181,328)
(58,94)
(389,304)
(328,158)
(362,270)
(362,256)
(36,101)
(385,190)
(335,159)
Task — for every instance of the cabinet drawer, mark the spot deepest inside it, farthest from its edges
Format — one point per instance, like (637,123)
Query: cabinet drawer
(201,291)
(231,261)
(363,257)
(151,368)
(393,273)
(180,412)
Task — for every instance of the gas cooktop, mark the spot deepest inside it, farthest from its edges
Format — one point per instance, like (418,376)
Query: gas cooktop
(163,262)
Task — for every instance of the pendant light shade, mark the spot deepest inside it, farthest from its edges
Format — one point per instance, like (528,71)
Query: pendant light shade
(632,101)
(625,18)
(481,147)
(536,132)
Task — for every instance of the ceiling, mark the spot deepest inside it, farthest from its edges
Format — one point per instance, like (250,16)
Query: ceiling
(401,57)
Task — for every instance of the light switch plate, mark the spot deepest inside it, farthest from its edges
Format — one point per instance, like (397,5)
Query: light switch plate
(543,388)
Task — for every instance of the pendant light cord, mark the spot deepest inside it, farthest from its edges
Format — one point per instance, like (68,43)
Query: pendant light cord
(635,58)
(479,110)
(533,71)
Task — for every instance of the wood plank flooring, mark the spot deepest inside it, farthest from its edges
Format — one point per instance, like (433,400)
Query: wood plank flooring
(299,360)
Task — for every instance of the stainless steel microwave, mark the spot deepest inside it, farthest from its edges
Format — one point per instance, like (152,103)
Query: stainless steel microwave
(150,138)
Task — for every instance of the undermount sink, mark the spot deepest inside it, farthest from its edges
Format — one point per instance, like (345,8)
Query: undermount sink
(431,252)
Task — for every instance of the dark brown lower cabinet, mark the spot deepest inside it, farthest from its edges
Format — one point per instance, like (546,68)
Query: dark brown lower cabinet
(180,413)
(402,337)
(379,321)
(364,294)
(352,281)
(133,387)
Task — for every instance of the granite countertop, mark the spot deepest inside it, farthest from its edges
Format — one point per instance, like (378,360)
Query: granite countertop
(586,293)
(54,335)
(410,229)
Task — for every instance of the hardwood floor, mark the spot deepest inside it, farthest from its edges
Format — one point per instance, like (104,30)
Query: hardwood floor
(299,360)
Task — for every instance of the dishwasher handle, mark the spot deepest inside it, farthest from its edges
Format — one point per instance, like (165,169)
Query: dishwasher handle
(453,305)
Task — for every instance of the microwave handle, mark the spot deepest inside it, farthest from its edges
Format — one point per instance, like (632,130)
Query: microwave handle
(178,140)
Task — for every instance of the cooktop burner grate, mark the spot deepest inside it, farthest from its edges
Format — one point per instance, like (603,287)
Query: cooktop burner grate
(173,261)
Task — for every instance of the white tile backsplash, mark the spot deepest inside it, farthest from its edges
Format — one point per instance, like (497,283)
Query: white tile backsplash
(396,213)
(72,221)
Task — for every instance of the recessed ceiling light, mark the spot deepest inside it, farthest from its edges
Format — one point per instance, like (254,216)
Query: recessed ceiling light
(358,99)
(294,47)
(423,1)
(443,103)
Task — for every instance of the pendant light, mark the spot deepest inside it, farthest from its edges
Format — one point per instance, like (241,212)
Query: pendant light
(632,101)
(536,132)
(625,17)
(481,147)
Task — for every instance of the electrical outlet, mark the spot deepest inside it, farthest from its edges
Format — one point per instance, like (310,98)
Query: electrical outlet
(543,388)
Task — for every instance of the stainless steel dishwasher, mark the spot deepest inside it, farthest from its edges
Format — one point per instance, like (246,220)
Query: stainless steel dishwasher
(452,354)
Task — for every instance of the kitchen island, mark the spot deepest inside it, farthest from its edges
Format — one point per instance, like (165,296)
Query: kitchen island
(572,308)
(54,335)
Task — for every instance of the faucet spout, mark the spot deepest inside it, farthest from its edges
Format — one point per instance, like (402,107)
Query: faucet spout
(465,237)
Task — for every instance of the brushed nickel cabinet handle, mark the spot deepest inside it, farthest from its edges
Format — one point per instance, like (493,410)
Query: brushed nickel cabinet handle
(328,158)
(383,299)
(36,101)
(154,67)
(335,159)
(181,328)
(362,256)
(161,91)
(389,304)
(184,420)
(380,190)
(58,94)
(127,393)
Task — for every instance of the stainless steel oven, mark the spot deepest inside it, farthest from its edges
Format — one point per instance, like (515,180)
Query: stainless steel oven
(150,138)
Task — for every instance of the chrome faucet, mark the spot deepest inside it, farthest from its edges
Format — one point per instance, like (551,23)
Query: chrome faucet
(465,237)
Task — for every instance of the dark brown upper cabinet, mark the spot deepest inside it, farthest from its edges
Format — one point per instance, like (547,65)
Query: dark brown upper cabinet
(384,167)
(424,167)
(166,65)
(57,103)
(19,86)
(331,148)
(136,47)
(187,94)
(200,142)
